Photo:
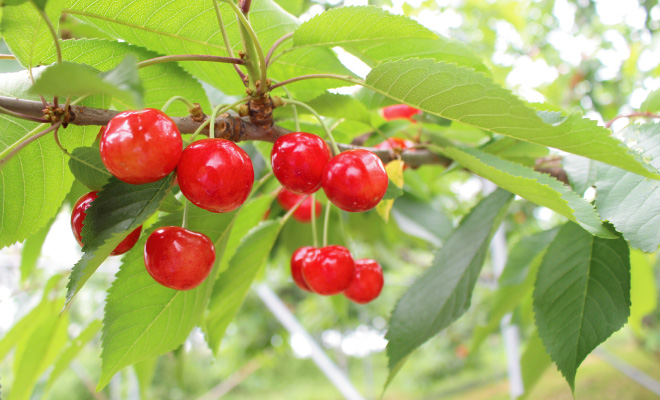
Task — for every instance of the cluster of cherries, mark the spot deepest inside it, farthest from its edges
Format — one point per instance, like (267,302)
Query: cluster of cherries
(140,147)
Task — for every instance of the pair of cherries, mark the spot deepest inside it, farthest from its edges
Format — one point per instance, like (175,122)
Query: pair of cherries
(331,270)
(354,180)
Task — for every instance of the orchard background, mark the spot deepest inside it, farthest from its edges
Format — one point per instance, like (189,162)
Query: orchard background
(554,102)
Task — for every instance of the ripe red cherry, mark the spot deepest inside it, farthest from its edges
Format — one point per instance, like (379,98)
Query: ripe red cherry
(215,174)
(329,270)
(355,180)
(178,258)
(78,220)
(303,213)
(298,160)
(396,144)
(400,111)
(141,146)
(367,282)
(297,260)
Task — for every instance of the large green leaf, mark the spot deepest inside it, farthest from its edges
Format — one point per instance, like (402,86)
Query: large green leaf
(534,186)
(26,33)
(233,285)
(144,319)
(582,172)
(443,293)
(630,202)
(421,219)
(582,295)
(119,209)
(184,27)
(86,165)
(466,96)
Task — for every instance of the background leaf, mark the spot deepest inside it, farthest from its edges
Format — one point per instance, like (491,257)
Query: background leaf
(86,165)
(32,251)
(533,363)
(443,292)
(582,295)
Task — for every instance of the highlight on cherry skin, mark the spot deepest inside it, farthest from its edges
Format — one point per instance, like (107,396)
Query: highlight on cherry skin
(78,216)
(287,200)
(141,146)
(355,180)
(298,161)
(367,282)
(329,270)
(400,111)
(178,258)
(215,174)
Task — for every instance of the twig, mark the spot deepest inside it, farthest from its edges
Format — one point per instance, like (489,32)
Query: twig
(345,78)
(275,45)
(190,57)
(10,152)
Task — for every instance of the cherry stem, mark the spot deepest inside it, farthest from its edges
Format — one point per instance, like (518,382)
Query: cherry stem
(326,222)
(345,78)
(293,209)
(30,137)
(53,33)
(190,57)
(225,38)
(318,117)
(644,114)
(182,99)
(22,116)
(294,109)
(184,219)
(7,57)
(59,144)
(275,45)
(314,233)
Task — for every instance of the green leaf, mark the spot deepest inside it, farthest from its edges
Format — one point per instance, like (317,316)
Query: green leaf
(145,370)
(184,27)
(335,106)
(652,102)
(86,165)
(582,172)
(466,96)
(294,7)
(643,291)
(27,35)
(393,191)
(421,219)
(144,319)
(75,347)
(171,204)
(38,351)
(582,295)
(443,292)
(516,281)
(32,251)
(630,202)
(534,186)
(533,363)
(119,209)
(233,284)
(345,25)
(122,82)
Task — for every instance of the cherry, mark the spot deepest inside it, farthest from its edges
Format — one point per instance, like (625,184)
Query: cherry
(215,174)
(298,161)
(78,216)
(400,111)
(367,282)
(178,258)
(303,213)
(329,270)
(355,180)
(396,144)
(141,146)
(297,260)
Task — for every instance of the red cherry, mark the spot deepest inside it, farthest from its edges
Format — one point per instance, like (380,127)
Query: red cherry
(355,180)
(215,174)
(141,146)
(178,258)
(329,270)
(78,216)
(367,282)
(303,213)
(400,111)
(298,161)
(396,144)
(297,260)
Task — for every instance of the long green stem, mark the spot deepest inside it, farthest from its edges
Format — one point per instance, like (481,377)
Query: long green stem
(251,46)
(293,209)
(225,38)
(53,33)
(296,121)
(189,57)
(182,99)
(184,221)
(326,222)
(314,233)
(345,78)
(318,117)
(30,137)
(275,45)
